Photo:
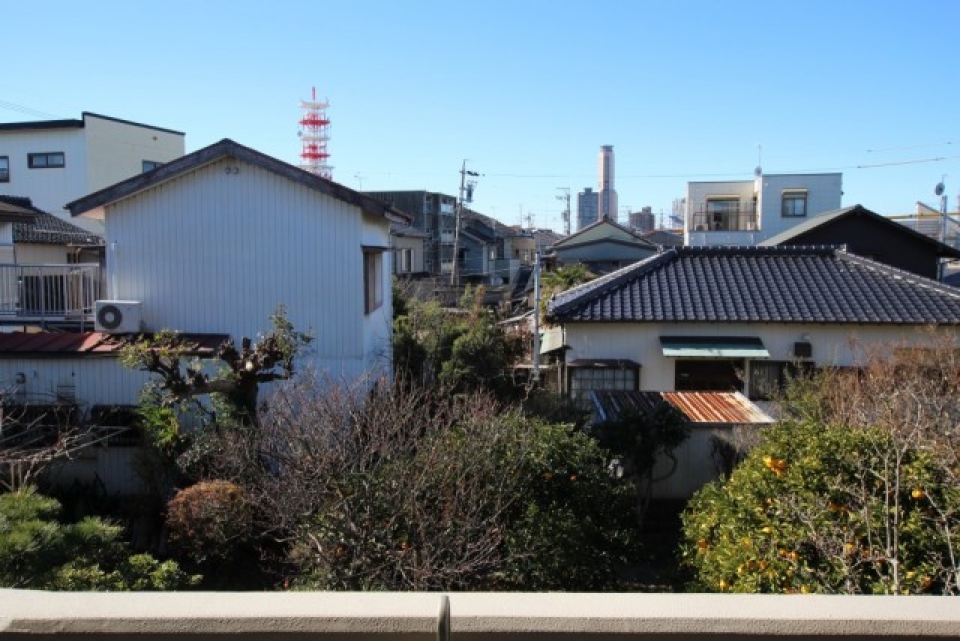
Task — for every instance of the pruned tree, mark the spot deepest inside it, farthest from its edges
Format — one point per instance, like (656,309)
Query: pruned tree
(244,369)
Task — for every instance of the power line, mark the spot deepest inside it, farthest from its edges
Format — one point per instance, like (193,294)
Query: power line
(12,106)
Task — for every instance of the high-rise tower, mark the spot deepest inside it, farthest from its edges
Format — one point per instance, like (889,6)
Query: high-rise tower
(608,193)
(314,134)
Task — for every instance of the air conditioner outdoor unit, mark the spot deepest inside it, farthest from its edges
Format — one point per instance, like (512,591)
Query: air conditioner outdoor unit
(118,316)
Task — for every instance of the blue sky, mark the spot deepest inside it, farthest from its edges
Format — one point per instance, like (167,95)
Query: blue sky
(526,90)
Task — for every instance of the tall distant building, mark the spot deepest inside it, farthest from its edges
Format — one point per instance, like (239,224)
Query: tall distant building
(588,204)
(643,220)
(608,193)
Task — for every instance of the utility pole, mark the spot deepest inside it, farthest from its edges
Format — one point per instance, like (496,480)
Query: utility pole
(536,317)
(466,194)
(565,196)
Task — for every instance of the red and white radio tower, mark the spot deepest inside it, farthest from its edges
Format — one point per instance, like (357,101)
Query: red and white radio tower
(315,133)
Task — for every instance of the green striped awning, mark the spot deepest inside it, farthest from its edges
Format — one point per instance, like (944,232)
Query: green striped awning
(713,347)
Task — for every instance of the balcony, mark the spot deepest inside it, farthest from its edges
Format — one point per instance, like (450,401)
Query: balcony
(327,616)
(49,293)
(725,217)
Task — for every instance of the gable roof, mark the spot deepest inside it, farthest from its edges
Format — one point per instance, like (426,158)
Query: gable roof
(610,232)
(227,148)
(36,226)
(795,233)
(784,284)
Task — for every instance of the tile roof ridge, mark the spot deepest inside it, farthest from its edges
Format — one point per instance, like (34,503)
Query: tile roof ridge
(599,286)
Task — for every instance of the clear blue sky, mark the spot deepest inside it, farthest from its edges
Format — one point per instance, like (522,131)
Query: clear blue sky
(527,90)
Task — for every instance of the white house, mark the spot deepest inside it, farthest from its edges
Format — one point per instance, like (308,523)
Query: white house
(56,161)
(746,212)
(215,241)
(739,318)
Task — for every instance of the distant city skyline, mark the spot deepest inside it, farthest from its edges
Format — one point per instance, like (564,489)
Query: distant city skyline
(416,87)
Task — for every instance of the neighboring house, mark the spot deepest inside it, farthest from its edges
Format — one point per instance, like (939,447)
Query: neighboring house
(408,245)
(603,246)
(50,269)
(869,234)
(727,318)
(58,383)
(746,212)
(432,213)
(56,161)
(663,238)
(215,241)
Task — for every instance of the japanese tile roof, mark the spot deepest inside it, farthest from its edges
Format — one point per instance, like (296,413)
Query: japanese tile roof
(626,236)
(796,232)
(227,148)
(70,344)
(39,227)
(788,284)
(664,238)
(699,408)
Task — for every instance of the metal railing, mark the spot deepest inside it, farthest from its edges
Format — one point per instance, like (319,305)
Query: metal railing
(742,217)
(52,291)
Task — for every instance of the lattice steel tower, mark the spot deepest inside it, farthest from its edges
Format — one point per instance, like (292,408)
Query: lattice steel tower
(314,133)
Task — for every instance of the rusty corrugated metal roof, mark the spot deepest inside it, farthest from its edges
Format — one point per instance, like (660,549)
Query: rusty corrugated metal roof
(67,344)
(699,408)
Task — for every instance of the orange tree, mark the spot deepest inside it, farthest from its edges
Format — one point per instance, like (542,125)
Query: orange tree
(855,492)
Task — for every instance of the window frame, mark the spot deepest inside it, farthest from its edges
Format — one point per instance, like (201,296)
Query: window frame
(372,279)
(601,373)
(33,157)
(153,164)
(793,196)
(774,383)
(4,169)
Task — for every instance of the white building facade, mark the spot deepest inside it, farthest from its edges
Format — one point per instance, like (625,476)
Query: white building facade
(55,161)
(747,212)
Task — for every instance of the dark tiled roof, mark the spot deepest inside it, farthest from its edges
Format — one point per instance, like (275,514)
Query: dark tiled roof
(793,284)
(227,148)
(37,226)
(47,229)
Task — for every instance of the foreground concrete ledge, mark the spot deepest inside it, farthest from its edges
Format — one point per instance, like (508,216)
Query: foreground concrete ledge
(351,616)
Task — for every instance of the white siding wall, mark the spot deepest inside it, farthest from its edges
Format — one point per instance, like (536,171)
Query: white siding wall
(824,193)
(49,189)
(218,252)
(96,381)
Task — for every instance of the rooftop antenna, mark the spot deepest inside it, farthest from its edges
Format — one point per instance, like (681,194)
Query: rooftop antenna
(758,170)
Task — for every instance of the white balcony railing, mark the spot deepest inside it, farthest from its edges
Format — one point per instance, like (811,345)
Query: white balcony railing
(49,291)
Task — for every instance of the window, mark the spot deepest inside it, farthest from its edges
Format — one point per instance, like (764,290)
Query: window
(372,279)
(404,261)
(4,169)
(608,376)
(722,213)
(46,160)
(708,375)
(149,165)
(769,378)
(794,204)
